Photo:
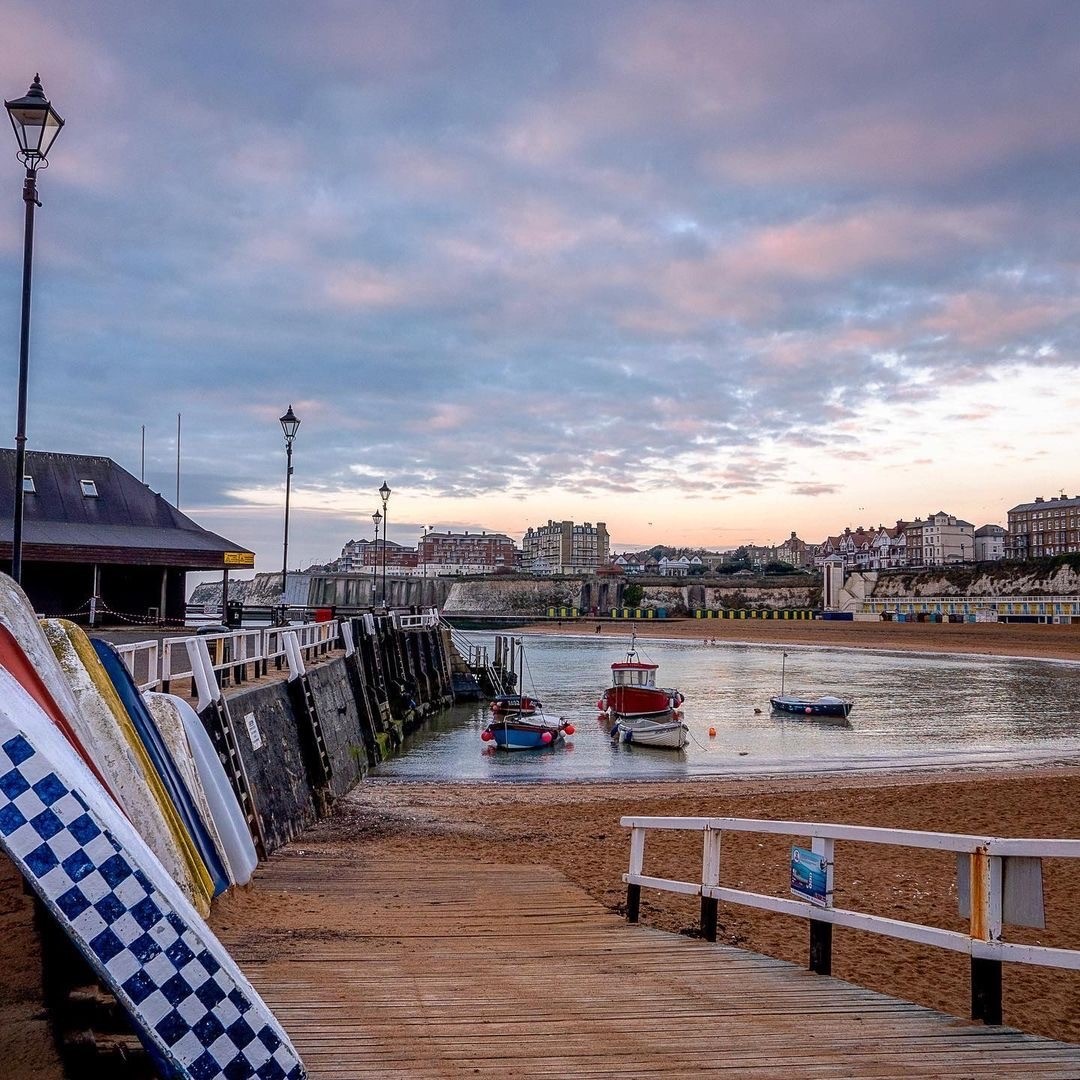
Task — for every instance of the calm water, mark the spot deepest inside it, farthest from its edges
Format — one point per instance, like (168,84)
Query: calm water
(909,710)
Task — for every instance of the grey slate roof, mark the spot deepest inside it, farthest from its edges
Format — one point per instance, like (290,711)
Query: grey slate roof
(126,522)
(1046,504)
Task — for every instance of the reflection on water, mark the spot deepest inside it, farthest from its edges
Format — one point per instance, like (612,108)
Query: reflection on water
(909,709)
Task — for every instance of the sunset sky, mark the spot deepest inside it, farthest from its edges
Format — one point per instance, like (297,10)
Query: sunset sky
(708,272)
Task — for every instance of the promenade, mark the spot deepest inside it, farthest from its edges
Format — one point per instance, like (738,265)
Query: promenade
(407,966)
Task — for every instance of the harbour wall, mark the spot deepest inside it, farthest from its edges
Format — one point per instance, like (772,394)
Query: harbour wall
(520,595)
(297,746)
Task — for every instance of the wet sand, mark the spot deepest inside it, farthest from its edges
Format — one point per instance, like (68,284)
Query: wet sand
(1055,642)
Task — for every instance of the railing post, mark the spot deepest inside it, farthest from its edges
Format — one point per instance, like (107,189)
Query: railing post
(637,861)
(986,895)
(710,875)
(821,932)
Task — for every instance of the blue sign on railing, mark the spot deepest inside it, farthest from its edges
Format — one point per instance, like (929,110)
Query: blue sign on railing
(809,879)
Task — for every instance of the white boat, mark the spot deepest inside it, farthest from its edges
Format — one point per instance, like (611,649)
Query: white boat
(668,734)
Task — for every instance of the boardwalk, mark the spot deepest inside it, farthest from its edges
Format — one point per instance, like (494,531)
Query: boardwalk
(452,969)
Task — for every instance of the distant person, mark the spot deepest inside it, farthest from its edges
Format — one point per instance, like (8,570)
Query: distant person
(599,627)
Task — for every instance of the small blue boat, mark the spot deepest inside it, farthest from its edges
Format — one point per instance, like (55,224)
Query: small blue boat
(802,705)
(525,732)
(826,705)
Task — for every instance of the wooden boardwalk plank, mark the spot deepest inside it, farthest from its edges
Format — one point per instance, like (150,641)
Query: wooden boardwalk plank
(414,970)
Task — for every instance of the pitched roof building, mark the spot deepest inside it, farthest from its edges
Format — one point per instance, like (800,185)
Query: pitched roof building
(91,529)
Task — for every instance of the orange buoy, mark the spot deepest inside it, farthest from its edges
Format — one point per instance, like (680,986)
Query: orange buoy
(712,733)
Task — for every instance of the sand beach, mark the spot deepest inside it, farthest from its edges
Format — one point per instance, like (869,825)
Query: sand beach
(575,829)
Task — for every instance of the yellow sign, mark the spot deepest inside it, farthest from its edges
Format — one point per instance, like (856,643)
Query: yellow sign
(239,558)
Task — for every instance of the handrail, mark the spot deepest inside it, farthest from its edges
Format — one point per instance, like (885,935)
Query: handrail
(156,665)
(985,875)
(141,658)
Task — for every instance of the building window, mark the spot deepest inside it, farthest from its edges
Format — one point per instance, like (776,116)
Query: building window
(89,488)
(28,485)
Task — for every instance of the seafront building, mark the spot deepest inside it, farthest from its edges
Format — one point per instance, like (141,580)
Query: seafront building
(466,553)
(562,547)
(1044,527)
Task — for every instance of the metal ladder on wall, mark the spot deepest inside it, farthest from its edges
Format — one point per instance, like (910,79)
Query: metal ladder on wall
(223,735)
(304,705)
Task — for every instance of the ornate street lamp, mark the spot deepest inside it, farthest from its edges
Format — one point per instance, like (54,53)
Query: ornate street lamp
(289,423)
(36,124)
(384,493)
(377,518)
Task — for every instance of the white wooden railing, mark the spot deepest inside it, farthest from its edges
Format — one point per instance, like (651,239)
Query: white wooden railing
(983,872)
(157,664)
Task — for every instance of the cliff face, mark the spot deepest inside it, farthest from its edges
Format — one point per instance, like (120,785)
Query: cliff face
(1012,579)
(262,589)
(502,597)
(534,596)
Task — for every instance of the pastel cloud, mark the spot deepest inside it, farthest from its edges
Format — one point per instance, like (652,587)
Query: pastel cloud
(696,248)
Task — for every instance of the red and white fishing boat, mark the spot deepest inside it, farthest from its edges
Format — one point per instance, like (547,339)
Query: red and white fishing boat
(633,693)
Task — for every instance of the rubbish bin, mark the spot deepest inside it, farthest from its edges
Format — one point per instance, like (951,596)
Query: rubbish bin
(234,614)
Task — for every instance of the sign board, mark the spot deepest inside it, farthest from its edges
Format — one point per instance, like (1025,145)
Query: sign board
(809,876)
(1021,890)
(239,558)
(253,731)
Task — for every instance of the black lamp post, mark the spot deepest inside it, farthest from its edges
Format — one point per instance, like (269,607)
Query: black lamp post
(377,518)
(384,492)
(36,125)
(289,423)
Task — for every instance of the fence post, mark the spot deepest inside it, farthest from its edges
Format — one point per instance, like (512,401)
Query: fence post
(710,875)
(637,861)
(821,932)
(986,894)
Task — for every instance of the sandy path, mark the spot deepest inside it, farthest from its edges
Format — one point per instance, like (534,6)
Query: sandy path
(574,828)
(1060,642)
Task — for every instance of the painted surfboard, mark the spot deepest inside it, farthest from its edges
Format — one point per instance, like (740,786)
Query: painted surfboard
(14,659)
(236,840)
(113,754)
(131,698)
(103,723)
(194,1010)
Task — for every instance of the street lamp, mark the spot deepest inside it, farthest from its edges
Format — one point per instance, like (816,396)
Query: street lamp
(36,124)
(384,493)
(377,518)
(289,423)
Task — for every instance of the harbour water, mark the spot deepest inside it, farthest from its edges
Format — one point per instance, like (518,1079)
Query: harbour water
(910,710)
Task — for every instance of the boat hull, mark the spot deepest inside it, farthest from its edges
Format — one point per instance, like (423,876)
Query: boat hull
(638,702)
(822,706)
(669,734)
(513,704)
(522,735)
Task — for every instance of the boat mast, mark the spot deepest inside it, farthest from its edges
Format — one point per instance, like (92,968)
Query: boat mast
(783,666)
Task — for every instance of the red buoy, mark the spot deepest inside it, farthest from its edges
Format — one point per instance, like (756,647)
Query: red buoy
(546,738)
(569,729)
(486,735)
(808,710)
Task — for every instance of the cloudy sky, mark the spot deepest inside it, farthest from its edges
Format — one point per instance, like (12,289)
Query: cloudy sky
(708,272)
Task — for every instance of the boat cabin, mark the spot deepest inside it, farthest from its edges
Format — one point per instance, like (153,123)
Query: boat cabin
(633,674)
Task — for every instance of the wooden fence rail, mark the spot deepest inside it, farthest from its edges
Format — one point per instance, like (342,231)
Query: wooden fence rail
(982,865)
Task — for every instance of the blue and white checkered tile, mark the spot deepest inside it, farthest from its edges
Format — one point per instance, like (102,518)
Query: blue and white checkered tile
(201,1020)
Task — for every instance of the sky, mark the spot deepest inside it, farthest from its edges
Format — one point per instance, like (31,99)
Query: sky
(707,272)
